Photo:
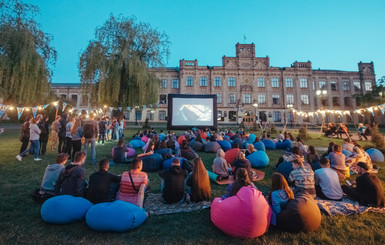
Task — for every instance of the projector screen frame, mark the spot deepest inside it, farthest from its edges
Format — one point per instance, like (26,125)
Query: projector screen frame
(191,96)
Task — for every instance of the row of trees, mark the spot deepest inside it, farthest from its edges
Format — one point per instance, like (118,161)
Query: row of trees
(114,66)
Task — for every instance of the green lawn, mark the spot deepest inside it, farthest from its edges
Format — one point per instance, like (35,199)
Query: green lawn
(21,223)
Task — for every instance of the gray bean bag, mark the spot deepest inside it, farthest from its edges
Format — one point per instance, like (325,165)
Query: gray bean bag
(212,146)
(152,162)
(196,145)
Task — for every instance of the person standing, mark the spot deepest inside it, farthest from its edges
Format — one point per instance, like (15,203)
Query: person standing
(90,132)
(62,133)
(102,130)
(44,128)
(77,134)
(24,136)
(55,128)
(69,126)
(34,135)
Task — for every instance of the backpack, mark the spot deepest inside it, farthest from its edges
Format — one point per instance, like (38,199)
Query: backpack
(88,131)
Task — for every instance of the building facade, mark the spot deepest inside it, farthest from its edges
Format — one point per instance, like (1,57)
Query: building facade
(249,89)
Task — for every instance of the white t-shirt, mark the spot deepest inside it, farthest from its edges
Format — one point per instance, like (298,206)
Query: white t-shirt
(328,180)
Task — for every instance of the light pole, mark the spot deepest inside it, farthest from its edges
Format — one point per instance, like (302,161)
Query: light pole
(289,107)
(320,94)
(255,105)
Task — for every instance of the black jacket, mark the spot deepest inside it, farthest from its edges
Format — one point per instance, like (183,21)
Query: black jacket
(71,181)
(173,184)
(370,189)
(99,186)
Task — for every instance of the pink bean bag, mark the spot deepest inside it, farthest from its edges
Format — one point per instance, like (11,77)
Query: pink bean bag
(231,154)
(130,152)
(245,215)
(144,139)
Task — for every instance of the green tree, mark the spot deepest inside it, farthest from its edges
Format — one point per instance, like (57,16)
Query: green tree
(116,65)
(374,97)
(25,54)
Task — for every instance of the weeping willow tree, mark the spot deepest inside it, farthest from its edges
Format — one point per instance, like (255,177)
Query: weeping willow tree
(25,54)
(115,66)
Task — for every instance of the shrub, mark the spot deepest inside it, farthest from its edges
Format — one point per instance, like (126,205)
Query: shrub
(303,133)
(146,124)
(378,139)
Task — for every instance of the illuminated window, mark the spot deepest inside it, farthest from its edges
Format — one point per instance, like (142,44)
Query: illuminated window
(305,99)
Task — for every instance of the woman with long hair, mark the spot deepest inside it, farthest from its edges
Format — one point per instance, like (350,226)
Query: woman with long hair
(77,134)
(199,182)
(242,162)
(242,180)
(34,136)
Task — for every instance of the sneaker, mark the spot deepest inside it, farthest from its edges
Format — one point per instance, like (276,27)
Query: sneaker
(37,159)
(19,157)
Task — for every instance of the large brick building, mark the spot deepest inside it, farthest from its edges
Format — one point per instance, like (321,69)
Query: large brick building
(248,88)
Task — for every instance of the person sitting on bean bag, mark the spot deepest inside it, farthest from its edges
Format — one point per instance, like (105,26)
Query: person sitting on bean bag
(187,152)
(295,153)
(348,145)
(231,154)
(199,182)
(149,150)
(51,175)
(220,166)
(250,149)
(172,184)
(279,196)
(242,179)
(119,152)
(71,180)
(102,185)
(304,148)
(313,158)
(242,162)
(133,184)
(302,178)
(359,155)
(327,184)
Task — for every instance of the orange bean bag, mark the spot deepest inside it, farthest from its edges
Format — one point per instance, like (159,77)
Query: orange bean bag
(231,154)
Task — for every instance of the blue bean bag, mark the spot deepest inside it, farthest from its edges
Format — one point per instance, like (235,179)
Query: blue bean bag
(285,169)
(118,216)
(137,138)
(226,138)
(237,140)
(152,162)
(286,145)
(375,155)
(164,151)
(211,146)
(64,209)
(137,143)
(346,152)
(196,145)
(167,163)
(258,159)
(225,145)
(251,139)
(260,146)
(269,144)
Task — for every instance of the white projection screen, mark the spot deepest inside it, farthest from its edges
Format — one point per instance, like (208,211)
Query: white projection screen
(187,111)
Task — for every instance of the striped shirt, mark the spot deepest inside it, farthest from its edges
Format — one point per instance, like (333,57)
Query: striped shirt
(127,192)
(303,178)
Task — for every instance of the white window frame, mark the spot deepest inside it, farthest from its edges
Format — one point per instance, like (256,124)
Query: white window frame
(261,99)
(203,82)
(275,82)
(261,82)
(290,99)
(164,83)
(189,81)
(305,99)
(289,82)
(303,83)
(219,98)
(175,83)
(217,82)
(322,84)
(232,99)
(247,98)
(231,81)
(276,96)
(368,86)
(346,85)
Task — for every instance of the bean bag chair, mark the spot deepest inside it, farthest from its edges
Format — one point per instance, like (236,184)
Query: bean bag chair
(375,155)
(189,155)
(164,151)
(118,216)
(152,162)
(286,145)
(196,145)
(144,138)
(130,152)
(225,145)
(137,143)
(231,154)
(137,138)
(64,209)
(211,146)
(346,152)
(237,140)
(258,159)
(260,146)
(227,138)
(251,139)
(181,138)
(300,214)
(285,169)
(184,163)
(269,144)
(245,215)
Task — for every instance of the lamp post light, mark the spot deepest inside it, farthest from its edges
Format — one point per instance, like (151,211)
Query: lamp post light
(289,107)
(255,105)
(320,94)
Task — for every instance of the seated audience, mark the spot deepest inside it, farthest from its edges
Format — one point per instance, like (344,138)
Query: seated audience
(313,158)
(186,151)
(51,174)
(119,152)
(173,182)
(337,161)
(100,187)
(327,184)
(199,182)
(71,180)
(302,178)
(242,162)
(301,145)
(250,149)
(242,180)
(348,145)
(359,155)
(342,129)
(133,184)
(220,166)
(368,189)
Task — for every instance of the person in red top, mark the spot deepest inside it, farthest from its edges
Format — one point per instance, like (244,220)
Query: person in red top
(133,184)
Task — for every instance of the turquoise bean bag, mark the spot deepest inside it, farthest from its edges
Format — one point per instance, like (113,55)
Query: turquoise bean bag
(152,162)
(225,145)
(117,216)
(346,152)
(260,146)
(64,209)
(285,169)
(137,143)
(251,139)
(167,163)
(258,159)
(285,145)
(375,155)
(269,144)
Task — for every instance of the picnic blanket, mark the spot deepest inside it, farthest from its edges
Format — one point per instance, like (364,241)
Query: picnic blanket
(345,207)
(154,205)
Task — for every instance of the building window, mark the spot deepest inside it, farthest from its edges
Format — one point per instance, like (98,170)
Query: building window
(189,81)
(232,99)
(219,98)
(217,82)
(138,115)
(322,84)
(203,82)
(261,82)
(150,115)
(277,116)
(324,102)
(261,99)
(357,86)
(63,96)
(289,82)
(368,86)
(162,115)
(303,83)
(162,99)
(347,101)
(220,117)
(232,116)
(334,85)
(164,83)
(175,83)
(127,115)
(275,99)
(290,99)
(74,99)
(336,101)
(346,86)
(305,99)
(231,81)
(247,98)
(274,83)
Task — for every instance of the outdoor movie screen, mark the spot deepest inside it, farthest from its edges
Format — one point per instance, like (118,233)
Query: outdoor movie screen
(187,111)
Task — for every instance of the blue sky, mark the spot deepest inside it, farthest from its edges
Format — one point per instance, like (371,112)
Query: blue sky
(331,34)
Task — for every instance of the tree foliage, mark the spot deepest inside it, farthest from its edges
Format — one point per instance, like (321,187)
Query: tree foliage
(374,97)
(115,66)
(25,54)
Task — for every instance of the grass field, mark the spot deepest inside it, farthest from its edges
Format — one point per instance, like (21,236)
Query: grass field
(20,221)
